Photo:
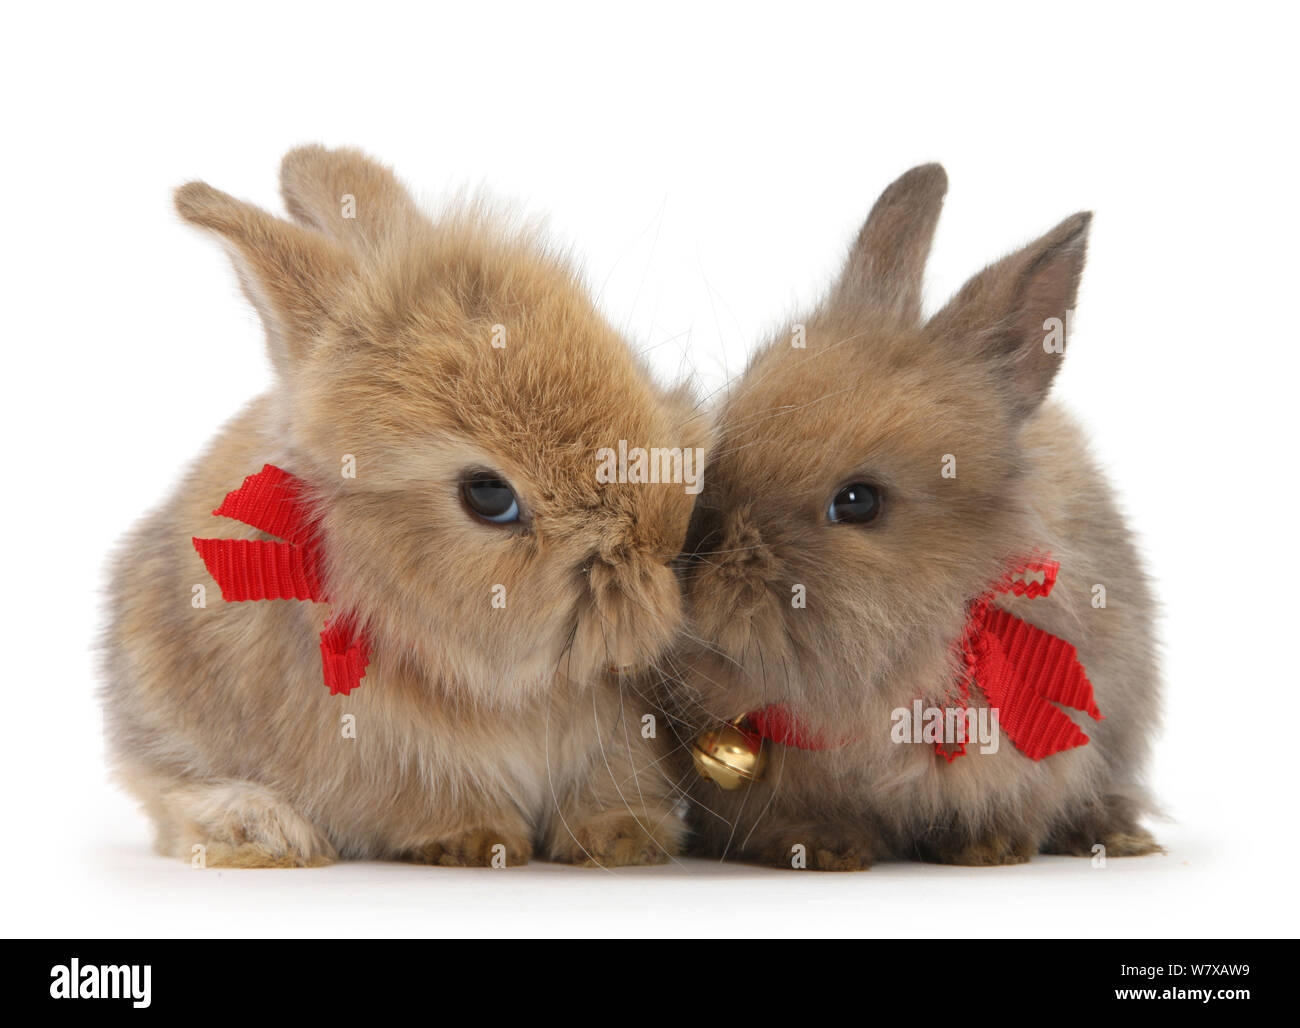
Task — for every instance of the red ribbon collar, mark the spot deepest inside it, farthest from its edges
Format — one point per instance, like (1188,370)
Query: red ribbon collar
(775,722)
(258,569)
(1021,669)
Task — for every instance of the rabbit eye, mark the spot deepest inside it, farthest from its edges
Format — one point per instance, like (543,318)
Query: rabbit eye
(489,497)
(855,504)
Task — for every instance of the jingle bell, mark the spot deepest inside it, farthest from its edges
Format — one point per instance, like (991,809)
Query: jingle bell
(728,756)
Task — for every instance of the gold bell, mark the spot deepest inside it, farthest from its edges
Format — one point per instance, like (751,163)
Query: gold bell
(728,756)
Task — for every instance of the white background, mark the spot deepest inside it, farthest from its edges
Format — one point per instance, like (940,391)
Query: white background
(709,166)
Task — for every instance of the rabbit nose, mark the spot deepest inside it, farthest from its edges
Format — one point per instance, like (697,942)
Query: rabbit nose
(731,543)
(635,608)
(704,531)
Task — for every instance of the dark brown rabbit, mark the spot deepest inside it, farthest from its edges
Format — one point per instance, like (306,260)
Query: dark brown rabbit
(875,475)
(443,393)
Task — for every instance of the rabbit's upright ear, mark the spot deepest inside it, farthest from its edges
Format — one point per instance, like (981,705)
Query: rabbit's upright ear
(886,266)
(1013,314)
(351,198)
(291,275)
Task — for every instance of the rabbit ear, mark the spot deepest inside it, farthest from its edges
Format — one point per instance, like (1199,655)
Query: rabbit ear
(354,200)
(291,276)
(1014,312)
(887,263)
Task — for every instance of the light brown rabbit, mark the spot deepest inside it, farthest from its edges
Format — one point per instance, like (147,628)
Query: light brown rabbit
(874,476)
(442,393)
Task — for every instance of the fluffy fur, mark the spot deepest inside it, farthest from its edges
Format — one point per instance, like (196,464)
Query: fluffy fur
(880,396)
(474,726)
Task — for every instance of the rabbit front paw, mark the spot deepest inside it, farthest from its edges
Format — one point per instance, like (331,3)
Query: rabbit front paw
(819,847)
(993,849)
(476,847)
(619,840)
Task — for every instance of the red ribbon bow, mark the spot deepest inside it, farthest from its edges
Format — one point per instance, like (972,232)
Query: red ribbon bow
(260,569)
(1021,669)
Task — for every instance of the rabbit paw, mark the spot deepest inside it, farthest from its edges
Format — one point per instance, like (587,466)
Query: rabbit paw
(239,824)
(992,850)
(477,847)
(253,854)
(1135,843)
(1113,824)
(816,848)
(618,840)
